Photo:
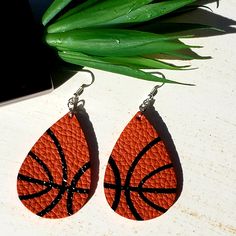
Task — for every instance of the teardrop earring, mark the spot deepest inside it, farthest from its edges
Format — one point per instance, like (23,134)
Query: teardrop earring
(54,180)
(140,179)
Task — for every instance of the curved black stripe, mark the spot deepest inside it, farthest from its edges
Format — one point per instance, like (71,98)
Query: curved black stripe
(74,181)
(64,175)
(165,167)
(42,164)
(150,203)
(32,180)
(142,182)
(155,190)
(61,153)
(144,190)
(40,182)
(81,190)
(53,203)
(38,194)
(129,175)
(116,172)
(48,184)
(63,187)
(111,186)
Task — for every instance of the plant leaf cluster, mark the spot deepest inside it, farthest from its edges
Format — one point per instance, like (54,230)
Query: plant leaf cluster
(120,36)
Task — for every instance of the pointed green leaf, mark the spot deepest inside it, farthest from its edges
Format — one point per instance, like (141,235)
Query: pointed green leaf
(143,63)
(110,42)
(186,55)
(96,14)
(149,12)
(172,27)
(85,60)
(78,8)
(54,9)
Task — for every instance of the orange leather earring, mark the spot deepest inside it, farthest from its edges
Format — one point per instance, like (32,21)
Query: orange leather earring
(140,179)
(54,180)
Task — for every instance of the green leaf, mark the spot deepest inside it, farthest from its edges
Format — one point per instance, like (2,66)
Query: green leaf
(149,12)
(78,8)
(143,63)
(114,42)
(97,63)
(172,27)
(83,35)
(54,9)
(96,14)
(186,55)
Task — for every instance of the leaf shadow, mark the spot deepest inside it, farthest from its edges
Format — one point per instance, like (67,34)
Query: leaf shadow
(203,2)
(220,25)
(199,14)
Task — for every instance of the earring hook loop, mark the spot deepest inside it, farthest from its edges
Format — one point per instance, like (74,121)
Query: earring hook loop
(147,102)
(74,100)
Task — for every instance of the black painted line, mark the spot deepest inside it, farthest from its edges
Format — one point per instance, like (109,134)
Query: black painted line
(64,175)
(62,188)
(160,190)
(49,184)
(148,176)
(42,164)
(137,189)
(61,153)
(74,181)
(33,180)
(116,172)
(38,194)
(52,204)
(129,175)
(152,204)
(156,190)
(80,190)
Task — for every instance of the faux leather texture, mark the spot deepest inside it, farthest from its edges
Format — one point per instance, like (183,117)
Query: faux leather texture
(140,180)
(54,179)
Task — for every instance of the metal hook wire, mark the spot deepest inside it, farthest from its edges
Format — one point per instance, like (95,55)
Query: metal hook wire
(74,100)
(146,103)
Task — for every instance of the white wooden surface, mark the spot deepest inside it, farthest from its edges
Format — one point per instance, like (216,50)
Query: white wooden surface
(201,119)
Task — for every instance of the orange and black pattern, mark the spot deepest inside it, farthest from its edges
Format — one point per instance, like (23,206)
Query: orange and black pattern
(54,179)
(140,181)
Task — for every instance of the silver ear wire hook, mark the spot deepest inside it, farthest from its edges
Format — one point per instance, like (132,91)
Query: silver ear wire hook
(74,101)
(147,102)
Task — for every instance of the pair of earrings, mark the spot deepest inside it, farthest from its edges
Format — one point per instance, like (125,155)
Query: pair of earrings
(140,183)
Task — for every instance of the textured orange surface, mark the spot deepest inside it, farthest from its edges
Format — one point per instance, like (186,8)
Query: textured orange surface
(140,181)
(54,179)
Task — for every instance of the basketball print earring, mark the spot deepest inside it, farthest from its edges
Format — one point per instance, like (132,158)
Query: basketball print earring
(140,180)
(54,180)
